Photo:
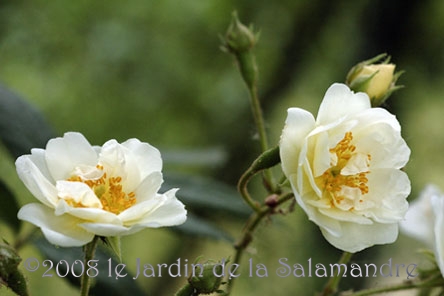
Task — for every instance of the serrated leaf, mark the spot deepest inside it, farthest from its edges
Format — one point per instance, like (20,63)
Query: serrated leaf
(199,227)
(8,207)
(103,284)
(205,194)
(22,127)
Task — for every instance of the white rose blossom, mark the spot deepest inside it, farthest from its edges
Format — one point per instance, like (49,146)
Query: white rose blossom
(425,221)
(87,191)
(344,169)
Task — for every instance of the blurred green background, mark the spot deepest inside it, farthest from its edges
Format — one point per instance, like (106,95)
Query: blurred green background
(153,70)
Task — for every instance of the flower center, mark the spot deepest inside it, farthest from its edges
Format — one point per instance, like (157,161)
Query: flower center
(109,191)
(339,184)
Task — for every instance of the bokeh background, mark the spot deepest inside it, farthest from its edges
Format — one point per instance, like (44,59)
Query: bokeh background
(153,70)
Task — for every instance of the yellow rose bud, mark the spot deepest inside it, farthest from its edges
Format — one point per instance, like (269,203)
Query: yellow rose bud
(382,78)
(376,79)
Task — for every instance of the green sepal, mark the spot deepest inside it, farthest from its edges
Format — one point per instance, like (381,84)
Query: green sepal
(114,244)
(360,84)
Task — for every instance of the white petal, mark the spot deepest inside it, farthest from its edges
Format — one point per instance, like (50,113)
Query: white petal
(89,214)
(64,154)
(78,192)
(38,157)
(297,126)
(340,101)
(388,189)
(149,187)
(59,230)
(88,172)
(112,157)
(384,144)
(346,216)
(314,215)
(35,181)
(133,214)
(147,199)
(119,161)
(306,174)
(374,116)
(321,158)
(420,218)
(147,157)
(358,163)
(356,237)
(171,213)
(106,229)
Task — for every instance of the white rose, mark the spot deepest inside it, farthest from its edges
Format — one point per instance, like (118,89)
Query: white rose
(344,168)
(425,221)
(86,191)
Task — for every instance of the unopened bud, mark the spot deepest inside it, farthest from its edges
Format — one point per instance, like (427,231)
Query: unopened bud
(375,77)
(206,278)
(9,260)
(9,273)
(238,37)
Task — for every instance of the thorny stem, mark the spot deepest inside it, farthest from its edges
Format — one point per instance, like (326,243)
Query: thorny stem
(249,229)
(90,250)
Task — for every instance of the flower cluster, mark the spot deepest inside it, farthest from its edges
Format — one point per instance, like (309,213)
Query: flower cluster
(344,168)
(87,191)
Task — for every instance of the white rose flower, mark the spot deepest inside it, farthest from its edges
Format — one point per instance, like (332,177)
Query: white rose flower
(344,168)
(86,191)
(425,221)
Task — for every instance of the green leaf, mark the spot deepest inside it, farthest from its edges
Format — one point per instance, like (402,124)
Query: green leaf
(10,275)
(103,284)
(22,127)
(205,195)
(8,207)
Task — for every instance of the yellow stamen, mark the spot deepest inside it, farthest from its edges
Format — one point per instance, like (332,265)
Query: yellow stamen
(109,191)
(332,181)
